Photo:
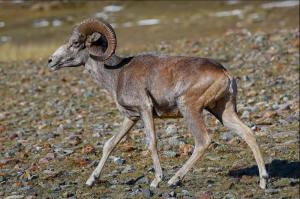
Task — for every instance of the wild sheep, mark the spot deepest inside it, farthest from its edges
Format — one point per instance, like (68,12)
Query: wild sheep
(153,86)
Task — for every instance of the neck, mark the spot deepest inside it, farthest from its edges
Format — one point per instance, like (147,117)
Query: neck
(104,73)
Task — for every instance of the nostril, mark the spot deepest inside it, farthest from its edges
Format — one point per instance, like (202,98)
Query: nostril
(49,61)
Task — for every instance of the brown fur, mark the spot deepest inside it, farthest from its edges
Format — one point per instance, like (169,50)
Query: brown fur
(149,86)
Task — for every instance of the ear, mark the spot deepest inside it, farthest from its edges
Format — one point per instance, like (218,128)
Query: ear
(93,38)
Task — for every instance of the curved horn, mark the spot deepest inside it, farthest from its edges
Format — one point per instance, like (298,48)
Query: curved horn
(89,26)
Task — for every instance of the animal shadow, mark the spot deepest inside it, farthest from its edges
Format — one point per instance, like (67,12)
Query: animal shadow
(276,169)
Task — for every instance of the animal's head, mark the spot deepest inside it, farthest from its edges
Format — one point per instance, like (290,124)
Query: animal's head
(91,38)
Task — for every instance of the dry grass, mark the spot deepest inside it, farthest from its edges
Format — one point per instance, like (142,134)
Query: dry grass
(14,52)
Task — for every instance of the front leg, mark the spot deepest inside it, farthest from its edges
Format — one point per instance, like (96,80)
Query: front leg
(108,148)
(150,133)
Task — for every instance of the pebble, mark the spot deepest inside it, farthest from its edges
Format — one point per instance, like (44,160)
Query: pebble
(68,151)
(271,191)
(292,118)
(2,116)
(114,182)
(117,160)
(186,149)
(147,193)
(60,129)
(50,156)
(173,141)
(73,140)
(247,195)
(186,192)
(206,195)
(227,136)
(143,180)
(171,130)
(55,188)
(2,178)
(14,197)
(245,115)
(170,154)
(275,106)
(128,169)
(285,106)
(213,158)
(256,18)
(283,122)
(230,196)
(114,173)
(96,135)
(285,134)
(43,161)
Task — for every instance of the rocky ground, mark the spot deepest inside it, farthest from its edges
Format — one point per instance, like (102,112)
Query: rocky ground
(53,127)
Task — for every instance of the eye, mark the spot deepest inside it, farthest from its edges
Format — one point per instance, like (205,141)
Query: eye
(76,43)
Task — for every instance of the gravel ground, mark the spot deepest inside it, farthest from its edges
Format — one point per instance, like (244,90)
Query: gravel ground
(53,127)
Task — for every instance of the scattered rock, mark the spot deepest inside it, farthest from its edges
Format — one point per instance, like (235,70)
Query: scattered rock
(247,194)
(227,136)
(230,196)
(245,115)
(186,149)
(143,180)
(271,191)
(170,154)
(117,160)
(88,149)
(48,174)
(284,107)
(73,140)
(2,116)
(172,194)
(55,188)
(173,141)
(284,134)
(43,161)
(68,151)
(206,195)
(147,193)
(269,114)
(53,125)
(186,192)
(15,197)
(171,130)
(256,18)
(213,158)
(128,169)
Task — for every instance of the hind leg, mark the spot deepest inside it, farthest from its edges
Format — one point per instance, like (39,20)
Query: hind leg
(195,122)
(225,111)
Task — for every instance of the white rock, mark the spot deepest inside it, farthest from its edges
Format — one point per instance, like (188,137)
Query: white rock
(148,22)
(14,197)
(246,115)
(112,8)
(171,129)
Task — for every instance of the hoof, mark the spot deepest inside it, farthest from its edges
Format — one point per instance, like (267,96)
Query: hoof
(174,182)
(90,181)
(263,183)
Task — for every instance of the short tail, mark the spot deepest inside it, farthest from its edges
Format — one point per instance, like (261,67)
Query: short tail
(232,89)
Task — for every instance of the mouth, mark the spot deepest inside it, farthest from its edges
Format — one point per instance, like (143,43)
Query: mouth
(59,65)
(54,67)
